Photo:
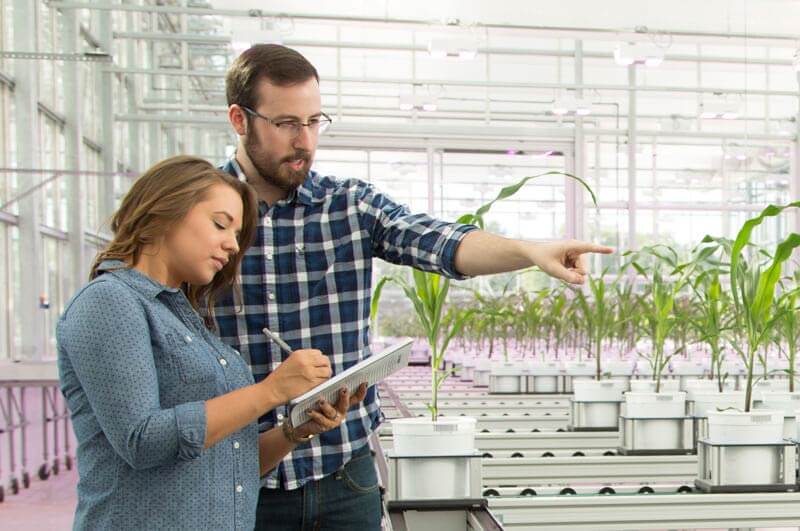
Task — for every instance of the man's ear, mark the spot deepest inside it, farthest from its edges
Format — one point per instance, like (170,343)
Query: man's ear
(238,119)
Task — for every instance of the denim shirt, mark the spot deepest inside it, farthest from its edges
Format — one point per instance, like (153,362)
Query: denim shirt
(136,364)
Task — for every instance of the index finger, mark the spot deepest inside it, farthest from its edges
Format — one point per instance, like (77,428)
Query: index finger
(588,247)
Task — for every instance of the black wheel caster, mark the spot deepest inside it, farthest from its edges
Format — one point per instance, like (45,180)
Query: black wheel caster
(26,480)
(68,462)
(13,486)
(56,466)
(44,473)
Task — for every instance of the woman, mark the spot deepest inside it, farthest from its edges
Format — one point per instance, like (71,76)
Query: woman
(163,411)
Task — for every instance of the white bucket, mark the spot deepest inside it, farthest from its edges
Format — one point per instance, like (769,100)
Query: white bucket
(580,368)
(748,465)
(712,401)
(655,405)
(617,367)
(649,386)
(665,430)
(418,436)
(506,379)
(441,475)
(543,377)
(785,402)
(601,400)
(594,391)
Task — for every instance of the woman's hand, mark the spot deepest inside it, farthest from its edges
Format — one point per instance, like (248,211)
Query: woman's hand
(302,371)
(330,416)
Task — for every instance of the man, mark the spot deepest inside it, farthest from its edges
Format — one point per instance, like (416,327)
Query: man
(307,278)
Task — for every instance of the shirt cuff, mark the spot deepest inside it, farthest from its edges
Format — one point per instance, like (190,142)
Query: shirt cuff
(448,256)
(191,421)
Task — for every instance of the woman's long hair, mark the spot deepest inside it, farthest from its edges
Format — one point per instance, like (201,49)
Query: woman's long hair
(161,198)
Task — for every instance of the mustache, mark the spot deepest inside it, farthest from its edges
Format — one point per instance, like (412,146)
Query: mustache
(300,155)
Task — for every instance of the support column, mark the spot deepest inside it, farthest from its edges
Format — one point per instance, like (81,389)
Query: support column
(26,96)
(574,192)
(632,140)
(104,88)
(73,132)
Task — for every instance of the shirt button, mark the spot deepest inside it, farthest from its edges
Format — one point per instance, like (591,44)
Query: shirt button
(268,221)
(269,256)
(236,444)
(271,296)
(223,362)
(188,339)
(280,417)
(237,352)
(239,488)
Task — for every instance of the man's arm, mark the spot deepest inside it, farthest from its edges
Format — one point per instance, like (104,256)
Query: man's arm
(484,253)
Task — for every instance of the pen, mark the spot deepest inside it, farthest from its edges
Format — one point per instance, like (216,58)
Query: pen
(278,341)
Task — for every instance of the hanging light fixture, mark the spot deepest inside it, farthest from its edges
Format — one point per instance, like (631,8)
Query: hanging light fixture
(638,53)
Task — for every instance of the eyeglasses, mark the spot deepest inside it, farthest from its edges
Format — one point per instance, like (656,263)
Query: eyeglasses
(291,128)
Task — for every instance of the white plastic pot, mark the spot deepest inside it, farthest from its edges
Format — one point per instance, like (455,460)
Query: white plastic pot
(441,475)
(480,375)
(713,400)
(578,369)
(543,377)
(600,402)
(704,386)
(506,379)
(785,402)
(619,370)
(766,386)
(468,372)
(649,386)
(664,429)
(756,465)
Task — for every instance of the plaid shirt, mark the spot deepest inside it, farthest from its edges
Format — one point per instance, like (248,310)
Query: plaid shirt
(308,278)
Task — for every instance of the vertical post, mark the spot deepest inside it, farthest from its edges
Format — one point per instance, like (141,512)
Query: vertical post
(573,194)
(73,132)
(794,174)
(26,96)
(105,90)
(429,152)
(132,86)
(632,157)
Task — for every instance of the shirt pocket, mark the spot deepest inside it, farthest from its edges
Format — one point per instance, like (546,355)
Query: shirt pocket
(187,356)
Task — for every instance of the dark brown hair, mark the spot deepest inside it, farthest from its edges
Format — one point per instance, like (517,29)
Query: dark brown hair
(277,64)
(161,198)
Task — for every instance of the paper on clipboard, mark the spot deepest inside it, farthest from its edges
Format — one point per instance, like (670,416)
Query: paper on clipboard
(372,370)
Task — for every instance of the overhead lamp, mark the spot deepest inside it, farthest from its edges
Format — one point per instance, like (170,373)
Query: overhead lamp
(720,109)
(570,105)
(638,53)
(258,30)
(453,48)
(420,102)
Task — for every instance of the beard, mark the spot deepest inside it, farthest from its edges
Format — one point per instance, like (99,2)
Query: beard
(274,171)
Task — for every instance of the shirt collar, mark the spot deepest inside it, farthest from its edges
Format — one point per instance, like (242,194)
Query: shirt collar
(134,278)
(307,194)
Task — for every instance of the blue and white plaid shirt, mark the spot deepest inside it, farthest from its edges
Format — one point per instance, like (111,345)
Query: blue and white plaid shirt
(308,278)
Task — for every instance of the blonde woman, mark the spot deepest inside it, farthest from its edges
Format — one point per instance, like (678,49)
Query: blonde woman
(163,411)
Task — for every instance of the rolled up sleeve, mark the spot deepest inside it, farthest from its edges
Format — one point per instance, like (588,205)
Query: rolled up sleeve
(416,240)
(106,336)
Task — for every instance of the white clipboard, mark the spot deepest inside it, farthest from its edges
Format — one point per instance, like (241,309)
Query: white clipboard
(370,371)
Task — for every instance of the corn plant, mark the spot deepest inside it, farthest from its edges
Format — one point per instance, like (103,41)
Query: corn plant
(710,320)
(428,295)
(597,314)
(658,314)
(429,292)
(753,287)
(626,328)
(789,330)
